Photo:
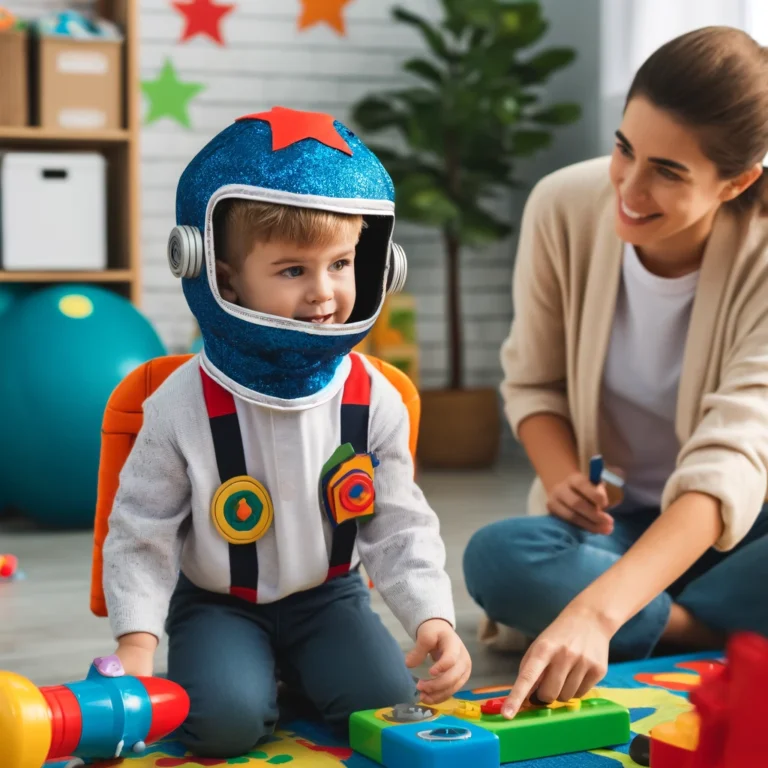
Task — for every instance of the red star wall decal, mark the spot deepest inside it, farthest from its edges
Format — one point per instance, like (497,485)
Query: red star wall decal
(328,11)
(291,125)
(203,18)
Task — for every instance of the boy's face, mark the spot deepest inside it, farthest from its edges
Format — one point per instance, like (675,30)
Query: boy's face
(314,284)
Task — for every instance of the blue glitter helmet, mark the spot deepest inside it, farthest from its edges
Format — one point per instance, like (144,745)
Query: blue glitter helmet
(286,157)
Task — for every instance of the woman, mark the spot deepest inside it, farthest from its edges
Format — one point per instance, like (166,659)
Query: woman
(641,333)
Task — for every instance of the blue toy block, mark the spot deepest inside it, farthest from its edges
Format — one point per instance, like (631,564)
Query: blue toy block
(446,742)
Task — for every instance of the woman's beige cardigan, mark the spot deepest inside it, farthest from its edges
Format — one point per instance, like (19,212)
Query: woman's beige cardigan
(565,286)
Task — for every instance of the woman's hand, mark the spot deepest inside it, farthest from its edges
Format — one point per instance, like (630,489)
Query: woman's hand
(571,655)
(577,501)
(564,662)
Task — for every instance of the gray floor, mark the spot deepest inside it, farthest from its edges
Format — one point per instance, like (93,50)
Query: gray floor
(48,634)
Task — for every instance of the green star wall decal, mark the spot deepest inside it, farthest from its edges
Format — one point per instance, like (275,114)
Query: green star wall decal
(169,97)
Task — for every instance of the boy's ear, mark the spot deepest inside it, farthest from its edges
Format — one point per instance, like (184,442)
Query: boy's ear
(224,279)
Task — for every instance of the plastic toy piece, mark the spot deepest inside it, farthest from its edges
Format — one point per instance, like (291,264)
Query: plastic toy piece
(411,713)
(640,749)
(9,567)
(673,744)
(492,706)
(468,710)
(726,728)
(109,666)
(560,729)
(448,743)
(102,717)
(546,731)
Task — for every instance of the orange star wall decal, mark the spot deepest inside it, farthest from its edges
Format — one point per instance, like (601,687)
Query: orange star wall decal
(290,126)
(203,17)
(328,11)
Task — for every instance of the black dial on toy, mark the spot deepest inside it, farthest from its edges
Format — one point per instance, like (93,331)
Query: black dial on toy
(640,750)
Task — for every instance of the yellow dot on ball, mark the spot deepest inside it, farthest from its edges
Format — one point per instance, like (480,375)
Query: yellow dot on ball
(76,305)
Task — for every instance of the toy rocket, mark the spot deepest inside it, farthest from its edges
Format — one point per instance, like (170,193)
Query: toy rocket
(726,727)
(102,717)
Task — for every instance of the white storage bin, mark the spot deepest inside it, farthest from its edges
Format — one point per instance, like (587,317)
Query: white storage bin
(53,211)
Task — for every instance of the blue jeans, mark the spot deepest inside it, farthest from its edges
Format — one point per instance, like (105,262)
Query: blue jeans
(326,644)
(523,571)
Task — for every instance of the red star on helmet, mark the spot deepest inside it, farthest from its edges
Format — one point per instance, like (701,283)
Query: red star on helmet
(291,125)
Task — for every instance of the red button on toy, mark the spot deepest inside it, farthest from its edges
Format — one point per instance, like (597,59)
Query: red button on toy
(492,706)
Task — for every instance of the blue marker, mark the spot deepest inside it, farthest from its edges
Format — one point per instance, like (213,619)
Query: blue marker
(596,470)
(599,474)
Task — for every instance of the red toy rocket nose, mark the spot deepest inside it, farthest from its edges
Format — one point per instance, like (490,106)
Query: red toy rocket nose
(170,706)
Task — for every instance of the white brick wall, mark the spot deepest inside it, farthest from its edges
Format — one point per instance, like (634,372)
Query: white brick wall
(268,61)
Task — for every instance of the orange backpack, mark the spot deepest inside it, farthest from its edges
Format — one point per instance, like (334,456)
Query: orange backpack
(122,421)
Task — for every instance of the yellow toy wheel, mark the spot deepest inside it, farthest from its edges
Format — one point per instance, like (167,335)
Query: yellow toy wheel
(25,723)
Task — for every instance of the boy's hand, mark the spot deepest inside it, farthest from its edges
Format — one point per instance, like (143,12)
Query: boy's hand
(137,653)
(452,667)
(136,661)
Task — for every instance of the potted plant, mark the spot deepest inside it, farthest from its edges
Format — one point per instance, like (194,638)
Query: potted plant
(474,108)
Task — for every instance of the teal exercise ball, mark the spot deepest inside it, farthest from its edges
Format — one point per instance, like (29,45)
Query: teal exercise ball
(10,293)
(63,350)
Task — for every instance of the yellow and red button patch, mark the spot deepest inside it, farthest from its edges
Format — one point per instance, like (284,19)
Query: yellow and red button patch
(242,510)
(347,489)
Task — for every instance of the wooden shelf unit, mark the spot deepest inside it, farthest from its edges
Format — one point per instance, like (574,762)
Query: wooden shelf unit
(73,276)
(13,135)
(121,151)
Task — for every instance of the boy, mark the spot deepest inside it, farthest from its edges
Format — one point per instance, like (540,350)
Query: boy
(269,466)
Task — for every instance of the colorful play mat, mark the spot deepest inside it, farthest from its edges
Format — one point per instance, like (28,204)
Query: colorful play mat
(654,691)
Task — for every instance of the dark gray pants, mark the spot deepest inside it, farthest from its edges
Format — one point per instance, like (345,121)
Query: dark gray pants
(326,644)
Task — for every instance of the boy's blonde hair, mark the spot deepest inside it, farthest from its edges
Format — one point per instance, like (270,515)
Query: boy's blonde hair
(239,224)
